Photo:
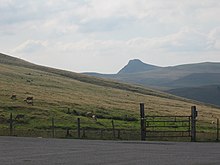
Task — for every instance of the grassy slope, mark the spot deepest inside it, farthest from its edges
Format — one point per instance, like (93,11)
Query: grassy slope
(197,79)
(55,90)
(207,94)
(4,59)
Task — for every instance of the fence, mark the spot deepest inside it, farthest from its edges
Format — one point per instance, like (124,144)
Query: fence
(208,132)
(80,132)
(175,128)
(168,126)
(178,127)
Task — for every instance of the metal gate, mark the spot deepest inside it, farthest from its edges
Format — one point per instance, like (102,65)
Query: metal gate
(168,126)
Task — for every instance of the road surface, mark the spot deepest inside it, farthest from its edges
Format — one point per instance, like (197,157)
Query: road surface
(39,151)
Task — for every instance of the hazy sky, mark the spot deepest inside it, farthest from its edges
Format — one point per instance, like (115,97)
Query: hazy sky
(103,35)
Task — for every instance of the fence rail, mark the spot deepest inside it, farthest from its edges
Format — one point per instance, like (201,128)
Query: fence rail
(168,126)
(172,126)
(103,134)
(152,127)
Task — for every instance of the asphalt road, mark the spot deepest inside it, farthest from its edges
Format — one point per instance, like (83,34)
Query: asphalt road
(38,151)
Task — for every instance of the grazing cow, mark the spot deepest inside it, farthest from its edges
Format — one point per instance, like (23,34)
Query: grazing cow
(91,115)
(19,116)
(29,100)
(94,117)
(13,97)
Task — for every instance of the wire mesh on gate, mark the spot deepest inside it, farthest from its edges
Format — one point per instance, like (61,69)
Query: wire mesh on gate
(168,126)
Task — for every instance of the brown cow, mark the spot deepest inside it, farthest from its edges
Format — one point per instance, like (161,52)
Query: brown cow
(91,115)
(29,100)
(19,116)
(13,97)
(94,117)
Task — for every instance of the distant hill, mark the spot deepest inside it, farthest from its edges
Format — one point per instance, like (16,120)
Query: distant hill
(135,66)
(167,78)
(196,79)
(207,94)
(188,75)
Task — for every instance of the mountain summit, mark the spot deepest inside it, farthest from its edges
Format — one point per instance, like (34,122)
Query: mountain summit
(135,66)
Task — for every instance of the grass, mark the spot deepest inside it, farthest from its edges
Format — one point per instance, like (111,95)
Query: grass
(66,96)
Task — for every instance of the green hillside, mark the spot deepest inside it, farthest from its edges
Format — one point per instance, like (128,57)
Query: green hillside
(55,91)
(197,79)
(207,94)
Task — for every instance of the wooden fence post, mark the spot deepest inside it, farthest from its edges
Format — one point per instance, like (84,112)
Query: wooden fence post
(113,129)
(11,125)
(119,134)
(193,123)
(217,139)
(84,133)
(68,132)
(78,127)
(143,123)
(101,132)
(53,129)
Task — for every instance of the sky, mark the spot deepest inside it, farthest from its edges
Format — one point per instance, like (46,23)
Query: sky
(103,35)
